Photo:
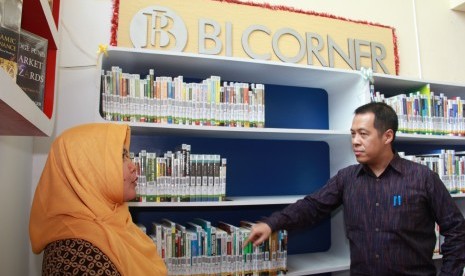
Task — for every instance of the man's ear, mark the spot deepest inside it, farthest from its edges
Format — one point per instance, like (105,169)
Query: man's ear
(388,136)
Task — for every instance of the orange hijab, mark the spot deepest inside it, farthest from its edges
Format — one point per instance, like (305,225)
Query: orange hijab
(80,195)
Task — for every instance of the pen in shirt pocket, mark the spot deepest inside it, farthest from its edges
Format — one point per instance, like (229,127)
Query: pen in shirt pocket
(397,200)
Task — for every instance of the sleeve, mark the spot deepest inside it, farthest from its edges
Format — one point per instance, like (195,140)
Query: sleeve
(452,226)
(309,210)
(76,256)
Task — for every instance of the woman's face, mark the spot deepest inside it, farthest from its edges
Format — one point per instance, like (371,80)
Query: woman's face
(129,177)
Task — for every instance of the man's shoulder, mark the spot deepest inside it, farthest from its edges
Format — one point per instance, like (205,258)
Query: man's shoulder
(411,163)
(406,166)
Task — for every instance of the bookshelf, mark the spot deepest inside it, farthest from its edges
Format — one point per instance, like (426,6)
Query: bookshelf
(334,93)
(19,115)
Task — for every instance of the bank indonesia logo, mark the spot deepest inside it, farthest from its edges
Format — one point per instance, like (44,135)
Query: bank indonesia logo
(158,27)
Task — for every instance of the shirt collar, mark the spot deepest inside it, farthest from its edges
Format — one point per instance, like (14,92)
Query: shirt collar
(395,164)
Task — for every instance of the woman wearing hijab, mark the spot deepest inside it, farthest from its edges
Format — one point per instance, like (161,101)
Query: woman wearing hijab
(79,217)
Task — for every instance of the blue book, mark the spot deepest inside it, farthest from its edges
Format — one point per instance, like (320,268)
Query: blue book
(200,237)
(207,227)
(193,244)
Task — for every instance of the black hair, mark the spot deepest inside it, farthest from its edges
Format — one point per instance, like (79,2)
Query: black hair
(385,116)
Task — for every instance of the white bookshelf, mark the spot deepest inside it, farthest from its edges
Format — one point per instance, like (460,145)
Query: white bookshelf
(346,90)
(230,201)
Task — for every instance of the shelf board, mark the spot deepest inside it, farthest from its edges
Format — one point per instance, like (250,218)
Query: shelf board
(236,201)
(425,139)
(237,132)
(275,133)
(19,114)
(230,201)
(315,263)
(393,85)
(166,63)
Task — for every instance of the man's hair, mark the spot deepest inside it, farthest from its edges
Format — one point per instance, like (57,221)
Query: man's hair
(385,116)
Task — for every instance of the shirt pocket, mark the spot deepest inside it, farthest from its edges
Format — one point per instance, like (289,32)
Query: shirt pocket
(405,213)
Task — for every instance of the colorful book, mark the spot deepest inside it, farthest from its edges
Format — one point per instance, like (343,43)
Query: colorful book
(192,248)
(170,237)
(32,60)
(253,255)
(221,250)
(234,245)
(200,236)
(157,233)
(200,245)
(9,42)
(207,227)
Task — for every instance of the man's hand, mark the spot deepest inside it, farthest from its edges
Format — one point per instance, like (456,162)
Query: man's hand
(260,232)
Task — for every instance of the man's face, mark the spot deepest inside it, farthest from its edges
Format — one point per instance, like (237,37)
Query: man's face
(367,143)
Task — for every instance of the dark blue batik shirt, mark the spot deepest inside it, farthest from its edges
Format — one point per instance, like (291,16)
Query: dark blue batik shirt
(390,219)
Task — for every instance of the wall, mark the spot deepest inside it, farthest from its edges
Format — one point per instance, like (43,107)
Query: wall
(15,168)
(428,49)
(441,36)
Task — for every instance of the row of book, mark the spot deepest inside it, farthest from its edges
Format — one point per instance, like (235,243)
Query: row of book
(201,248)
(167,100)
(180,176)
(448,164)
(23,54)
(424,112)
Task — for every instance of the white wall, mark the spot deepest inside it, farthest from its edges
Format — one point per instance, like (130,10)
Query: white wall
(442,37)
(429,48)
(15,179)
